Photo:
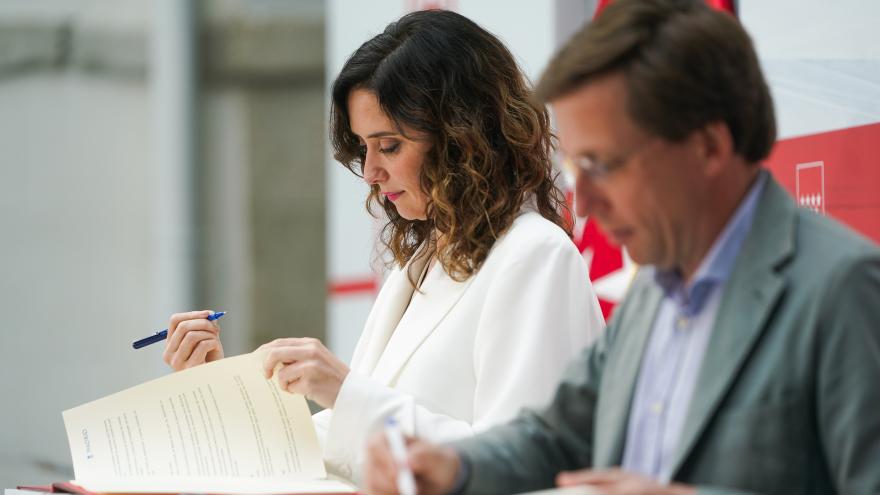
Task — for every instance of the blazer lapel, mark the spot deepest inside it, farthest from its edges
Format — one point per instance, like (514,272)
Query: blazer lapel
(438,295)
(751,294)
(621,373)
(387,312)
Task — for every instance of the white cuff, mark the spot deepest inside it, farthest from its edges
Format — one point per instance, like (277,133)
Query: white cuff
(360,409)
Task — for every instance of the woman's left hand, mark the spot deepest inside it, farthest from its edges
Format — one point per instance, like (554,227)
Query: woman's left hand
(308,368)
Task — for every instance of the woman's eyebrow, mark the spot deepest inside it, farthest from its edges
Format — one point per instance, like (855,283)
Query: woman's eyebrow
(382,134)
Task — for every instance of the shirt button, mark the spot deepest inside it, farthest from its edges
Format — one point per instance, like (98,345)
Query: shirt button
(657,408)
(682,322)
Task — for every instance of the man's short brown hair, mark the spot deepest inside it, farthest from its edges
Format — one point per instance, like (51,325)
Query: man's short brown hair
(686,65)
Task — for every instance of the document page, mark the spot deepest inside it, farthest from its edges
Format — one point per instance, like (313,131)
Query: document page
(220,427)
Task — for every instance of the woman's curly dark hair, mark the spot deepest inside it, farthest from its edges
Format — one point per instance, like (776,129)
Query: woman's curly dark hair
(440,74)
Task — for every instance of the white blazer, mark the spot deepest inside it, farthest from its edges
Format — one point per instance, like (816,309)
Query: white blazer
(459,357)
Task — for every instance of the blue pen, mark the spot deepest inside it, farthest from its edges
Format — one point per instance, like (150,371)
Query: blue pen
(160,336)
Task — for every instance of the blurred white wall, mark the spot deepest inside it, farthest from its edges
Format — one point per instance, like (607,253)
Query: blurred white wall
(77,261)
(84,268)
(821,60)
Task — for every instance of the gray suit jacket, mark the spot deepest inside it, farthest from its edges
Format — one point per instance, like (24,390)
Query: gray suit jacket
(788,397)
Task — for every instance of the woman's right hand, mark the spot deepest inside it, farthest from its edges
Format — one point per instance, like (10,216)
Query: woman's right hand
(192,340)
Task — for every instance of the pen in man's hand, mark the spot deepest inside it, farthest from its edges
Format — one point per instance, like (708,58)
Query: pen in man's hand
(406,483)
(160,336)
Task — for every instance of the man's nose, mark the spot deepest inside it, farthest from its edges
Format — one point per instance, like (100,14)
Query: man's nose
(588,196)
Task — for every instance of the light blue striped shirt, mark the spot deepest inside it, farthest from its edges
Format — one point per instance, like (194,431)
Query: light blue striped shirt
(675,349)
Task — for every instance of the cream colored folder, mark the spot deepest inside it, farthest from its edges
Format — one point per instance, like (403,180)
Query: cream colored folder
(216,428)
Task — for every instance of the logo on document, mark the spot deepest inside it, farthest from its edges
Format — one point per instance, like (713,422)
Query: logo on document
(87,443)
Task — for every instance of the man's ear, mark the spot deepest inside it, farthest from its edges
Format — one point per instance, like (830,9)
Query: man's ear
(714,143)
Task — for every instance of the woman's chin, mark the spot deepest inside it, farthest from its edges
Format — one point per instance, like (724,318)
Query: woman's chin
(411,215)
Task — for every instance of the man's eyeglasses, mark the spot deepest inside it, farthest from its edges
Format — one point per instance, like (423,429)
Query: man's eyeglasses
(599,169)
(596,169)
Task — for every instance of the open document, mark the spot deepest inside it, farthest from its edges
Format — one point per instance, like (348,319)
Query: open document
(216,428)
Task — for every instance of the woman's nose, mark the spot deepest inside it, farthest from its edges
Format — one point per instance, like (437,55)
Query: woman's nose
(373,172)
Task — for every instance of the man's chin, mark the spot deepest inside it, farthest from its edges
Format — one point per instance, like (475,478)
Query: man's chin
(637,256)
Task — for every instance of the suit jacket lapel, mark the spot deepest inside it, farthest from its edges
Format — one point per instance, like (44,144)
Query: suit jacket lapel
(426,310)
(622,371)
(750,296)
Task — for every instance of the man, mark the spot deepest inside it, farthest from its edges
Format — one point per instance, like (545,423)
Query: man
(746,356)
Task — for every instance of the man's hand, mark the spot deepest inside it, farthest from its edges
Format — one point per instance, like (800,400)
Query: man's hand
(434,467)
(618,482)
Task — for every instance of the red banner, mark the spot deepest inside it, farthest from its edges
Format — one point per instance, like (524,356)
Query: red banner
(834,173)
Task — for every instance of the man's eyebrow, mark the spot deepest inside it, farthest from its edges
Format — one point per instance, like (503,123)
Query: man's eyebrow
(585,152)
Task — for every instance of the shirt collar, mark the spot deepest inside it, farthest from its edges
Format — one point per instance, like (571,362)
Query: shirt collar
(716,266)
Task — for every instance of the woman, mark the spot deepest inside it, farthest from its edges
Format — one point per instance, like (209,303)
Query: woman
(488,297)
